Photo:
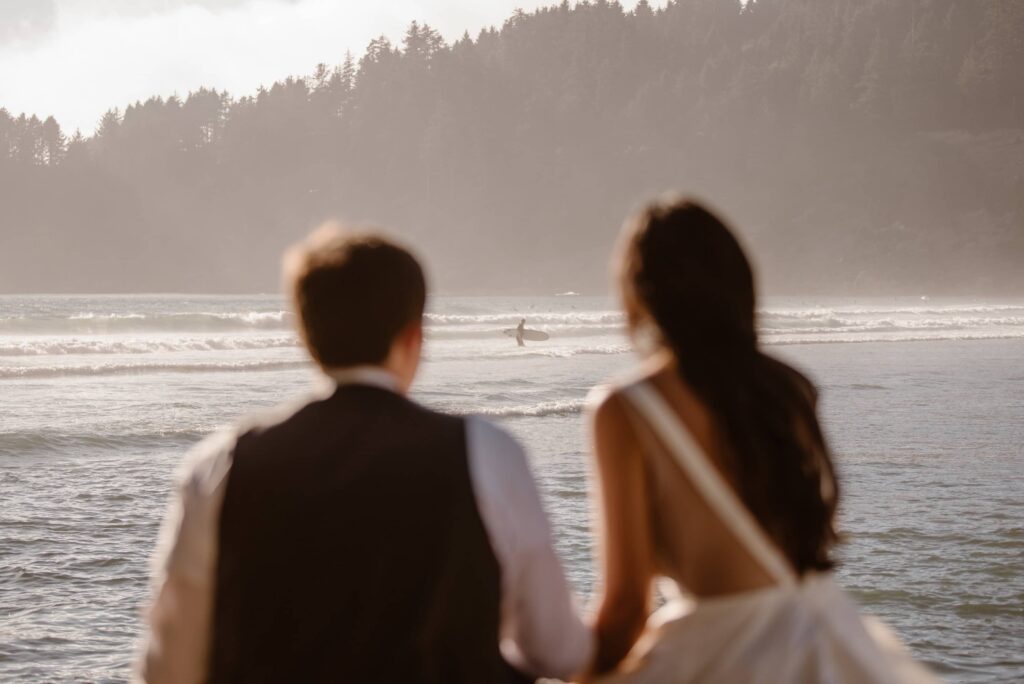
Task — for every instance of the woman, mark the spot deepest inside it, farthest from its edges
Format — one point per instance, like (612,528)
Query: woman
(714,473)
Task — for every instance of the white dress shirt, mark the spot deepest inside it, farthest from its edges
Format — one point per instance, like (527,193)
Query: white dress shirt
(541,631)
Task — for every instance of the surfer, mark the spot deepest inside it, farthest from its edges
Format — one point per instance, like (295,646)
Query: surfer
(521,334)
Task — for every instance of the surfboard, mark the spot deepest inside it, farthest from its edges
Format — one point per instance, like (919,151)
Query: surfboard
(531,335)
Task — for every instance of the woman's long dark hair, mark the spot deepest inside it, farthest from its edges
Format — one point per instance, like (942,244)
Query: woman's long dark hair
(685,269)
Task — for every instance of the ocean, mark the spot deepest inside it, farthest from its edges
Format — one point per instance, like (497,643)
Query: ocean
(923,401)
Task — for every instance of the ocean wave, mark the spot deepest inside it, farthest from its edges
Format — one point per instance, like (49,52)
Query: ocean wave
(792,338)
(50,346)
(51,334)
(783,340)
(565,407)
(565,352)
(532,319)
(31,372)
(533,350)
(27,442)
(837,325)
(99,323)
(555,331)
(816,320)
(950,310)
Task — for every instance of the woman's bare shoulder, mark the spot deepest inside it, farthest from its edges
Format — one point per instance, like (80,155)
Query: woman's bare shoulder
(608,403)
(612,427)
(605,405)
(608,397)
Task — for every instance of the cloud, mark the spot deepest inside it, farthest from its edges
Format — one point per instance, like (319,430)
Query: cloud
(96,59)
(27,19)
(143,7)
(20,19)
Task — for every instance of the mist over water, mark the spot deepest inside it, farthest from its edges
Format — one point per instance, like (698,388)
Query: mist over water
(103,395)
(859,148)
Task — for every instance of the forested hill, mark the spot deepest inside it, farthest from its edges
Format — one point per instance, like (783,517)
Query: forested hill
(861,146)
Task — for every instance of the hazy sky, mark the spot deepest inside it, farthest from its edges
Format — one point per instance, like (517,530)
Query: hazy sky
(75,59)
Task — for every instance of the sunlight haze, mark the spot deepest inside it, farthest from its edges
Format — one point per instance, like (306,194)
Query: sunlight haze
(521,278)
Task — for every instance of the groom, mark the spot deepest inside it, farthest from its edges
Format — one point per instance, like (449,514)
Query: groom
(359,537)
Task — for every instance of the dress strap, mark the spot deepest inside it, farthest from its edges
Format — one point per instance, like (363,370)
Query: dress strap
(708,481)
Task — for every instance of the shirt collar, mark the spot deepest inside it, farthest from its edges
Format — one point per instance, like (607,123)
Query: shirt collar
(374,376)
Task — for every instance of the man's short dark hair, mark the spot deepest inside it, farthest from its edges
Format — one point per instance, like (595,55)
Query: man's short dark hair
(353,294)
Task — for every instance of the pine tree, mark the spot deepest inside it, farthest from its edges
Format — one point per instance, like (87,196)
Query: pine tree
(54,144)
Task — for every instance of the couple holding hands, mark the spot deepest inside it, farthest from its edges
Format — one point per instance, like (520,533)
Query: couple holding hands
(360,537)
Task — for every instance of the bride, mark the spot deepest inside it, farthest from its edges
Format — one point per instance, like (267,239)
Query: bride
(714,474)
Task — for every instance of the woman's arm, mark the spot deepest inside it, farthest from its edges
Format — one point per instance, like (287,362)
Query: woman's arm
(625,537)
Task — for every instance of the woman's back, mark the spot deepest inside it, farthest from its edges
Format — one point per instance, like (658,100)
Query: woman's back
(754,619)
(712,470)
(692,544)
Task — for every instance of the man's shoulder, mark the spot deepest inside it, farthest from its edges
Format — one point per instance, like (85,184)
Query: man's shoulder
(214,452)
(266,419)
(321,410)
(421,420)
(206,465)
(211,457)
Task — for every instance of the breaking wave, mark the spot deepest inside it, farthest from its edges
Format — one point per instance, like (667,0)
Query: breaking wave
(566,407)
(28,442)
(533,319)
(105,323)
(27,372)
(57,346)
(952,309)
(853,339)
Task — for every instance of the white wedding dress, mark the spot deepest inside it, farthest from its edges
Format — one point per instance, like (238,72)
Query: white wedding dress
(801,630)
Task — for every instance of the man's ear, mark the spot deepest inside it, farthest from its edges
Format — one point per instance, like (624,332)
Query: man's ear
(407,339)
(414,332)
(410,340)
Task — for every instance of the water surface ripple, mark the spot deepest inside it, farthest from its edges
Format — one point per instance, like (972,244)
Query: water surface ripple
(102,395)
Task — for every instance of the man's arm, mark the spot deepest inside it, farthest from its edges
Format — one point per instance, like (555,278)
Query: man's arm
(176,647)
(541,630)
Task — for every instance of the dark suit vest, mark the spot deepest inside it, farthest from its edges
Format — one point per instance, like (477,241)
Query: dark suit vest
(351,550)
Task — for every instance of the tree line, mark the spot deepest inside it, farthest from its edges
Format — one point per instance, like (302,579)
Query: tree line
(859,145)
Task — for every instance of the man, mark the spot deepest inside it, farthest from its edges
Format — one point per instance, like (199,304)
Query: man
(359,537)
(520,331)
